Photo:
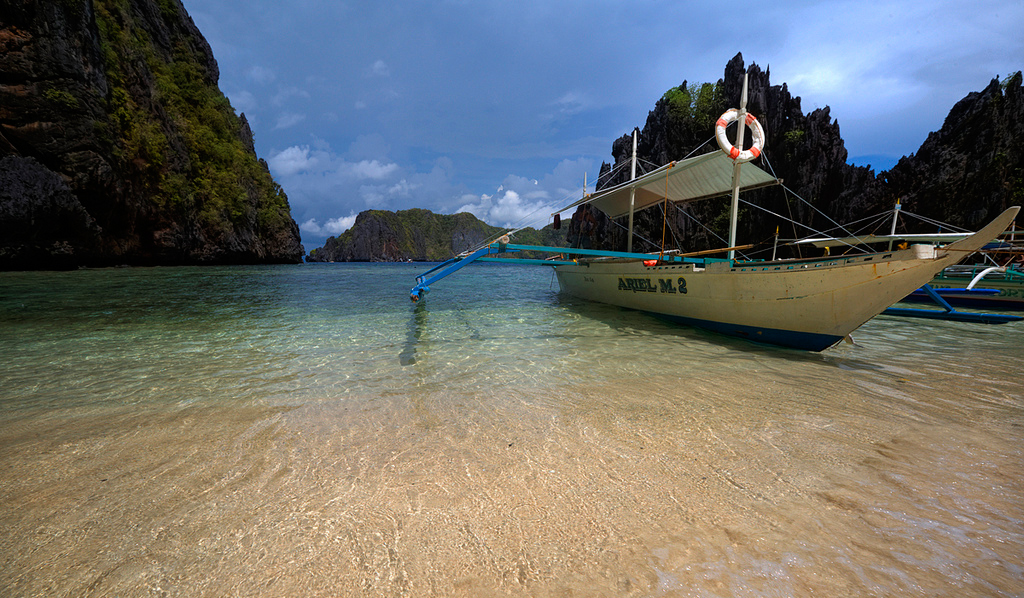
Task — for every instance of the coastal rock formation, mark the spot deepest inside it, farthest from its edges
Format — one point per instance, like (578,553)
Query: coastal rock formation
(117,147)
(973,167)
(964,174)
(419,235)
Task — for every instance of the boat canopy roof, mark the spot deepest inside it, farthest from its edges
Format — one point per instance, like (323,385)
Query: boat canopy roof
(700,177)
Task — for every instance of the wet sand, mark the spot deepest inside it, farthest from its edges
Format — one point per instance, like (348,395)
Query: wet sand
(741,485)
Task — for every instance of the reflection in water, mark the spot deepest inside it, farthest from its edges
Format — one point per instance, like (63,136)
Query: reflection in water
(474,332)
(412,339)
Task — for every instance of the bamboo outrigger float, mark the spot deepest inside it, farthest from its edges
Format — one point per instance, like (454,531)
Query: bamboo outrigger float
(808,304)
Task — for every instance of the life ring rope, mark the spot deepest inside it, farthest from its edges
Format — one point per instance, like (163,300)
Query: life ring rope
(756,132)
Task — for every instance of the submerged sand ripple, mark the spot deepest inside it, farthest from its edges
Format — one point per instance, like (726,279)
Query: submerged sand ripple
(724,487)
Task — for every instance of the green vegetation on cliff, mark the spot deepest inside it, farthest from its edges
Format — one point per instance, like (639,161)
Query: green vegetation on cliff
(118,147)
(190,109)
(695,105)
(419,235)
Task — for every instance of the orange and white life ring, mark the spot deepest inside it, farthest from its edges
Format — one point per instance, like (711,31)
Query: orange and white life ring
(755,131)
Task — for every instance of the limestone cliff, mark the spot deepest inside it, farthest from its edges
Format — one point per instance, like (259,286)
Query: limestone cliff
(418,235)
(973,167)
(117,147)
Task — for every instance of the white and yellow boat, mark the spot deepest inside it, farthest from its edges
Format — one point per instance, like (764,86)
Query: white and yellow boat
(808,304)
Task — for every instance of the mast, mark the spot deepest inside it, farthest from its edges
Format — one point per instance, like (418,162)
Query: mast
(895,219)
(741,128)
(632,196)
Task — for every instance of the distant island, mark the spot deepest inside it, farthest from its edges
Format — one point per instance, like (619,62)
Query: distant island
(118,147)
(418,235)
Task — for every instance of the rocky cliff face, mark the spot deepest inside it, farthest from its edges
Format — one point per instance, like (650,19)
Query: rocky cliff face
(419,235)
(963,174)
(973,167)
(116,146)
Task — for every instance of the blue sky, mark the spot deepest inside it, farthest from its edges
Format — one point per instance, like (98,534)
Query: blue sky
(501,108)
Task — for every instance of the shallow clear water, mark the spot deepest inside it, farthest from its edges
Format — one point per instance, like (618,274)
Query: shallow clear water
(307,431)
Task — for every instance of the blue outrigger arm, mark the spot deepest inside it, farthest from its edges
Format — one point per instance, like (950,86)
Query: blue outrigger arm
(457,263)
(453,265)
(948,312)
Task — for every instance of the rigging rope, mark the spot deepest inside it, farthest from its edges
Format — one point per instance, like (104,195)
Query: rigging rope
(927,220)
(803,225)
(691,217)
(617,170)
(823,215)
(635,234)
(675,239)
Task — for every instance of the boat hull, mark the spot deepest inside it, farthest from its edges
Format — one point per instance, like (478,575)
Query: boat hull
(809,305)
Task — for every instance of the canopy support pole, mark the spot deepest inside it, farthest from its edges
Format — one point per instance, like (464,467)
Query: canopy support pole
(632,197)
(895,219)
(741,129)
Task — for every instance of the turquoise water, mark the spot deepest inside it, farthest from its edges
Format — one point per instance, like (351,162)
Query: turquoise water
(277,335)
(191,431)
(289,335)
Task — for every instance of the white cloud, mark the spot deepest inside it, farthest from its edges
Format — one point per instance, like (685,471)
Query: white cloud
(291,161)
(403,188)
(261,75)
(289,119)
(521,201)
(371,169)
(380,69)
(572,102)
(327,167)
(334,226)
(508,209)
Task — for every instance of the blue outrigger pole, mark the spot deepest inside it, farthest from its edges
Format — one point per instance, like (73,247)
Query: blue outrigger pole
(453,265)
(948,312)
(457,263)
